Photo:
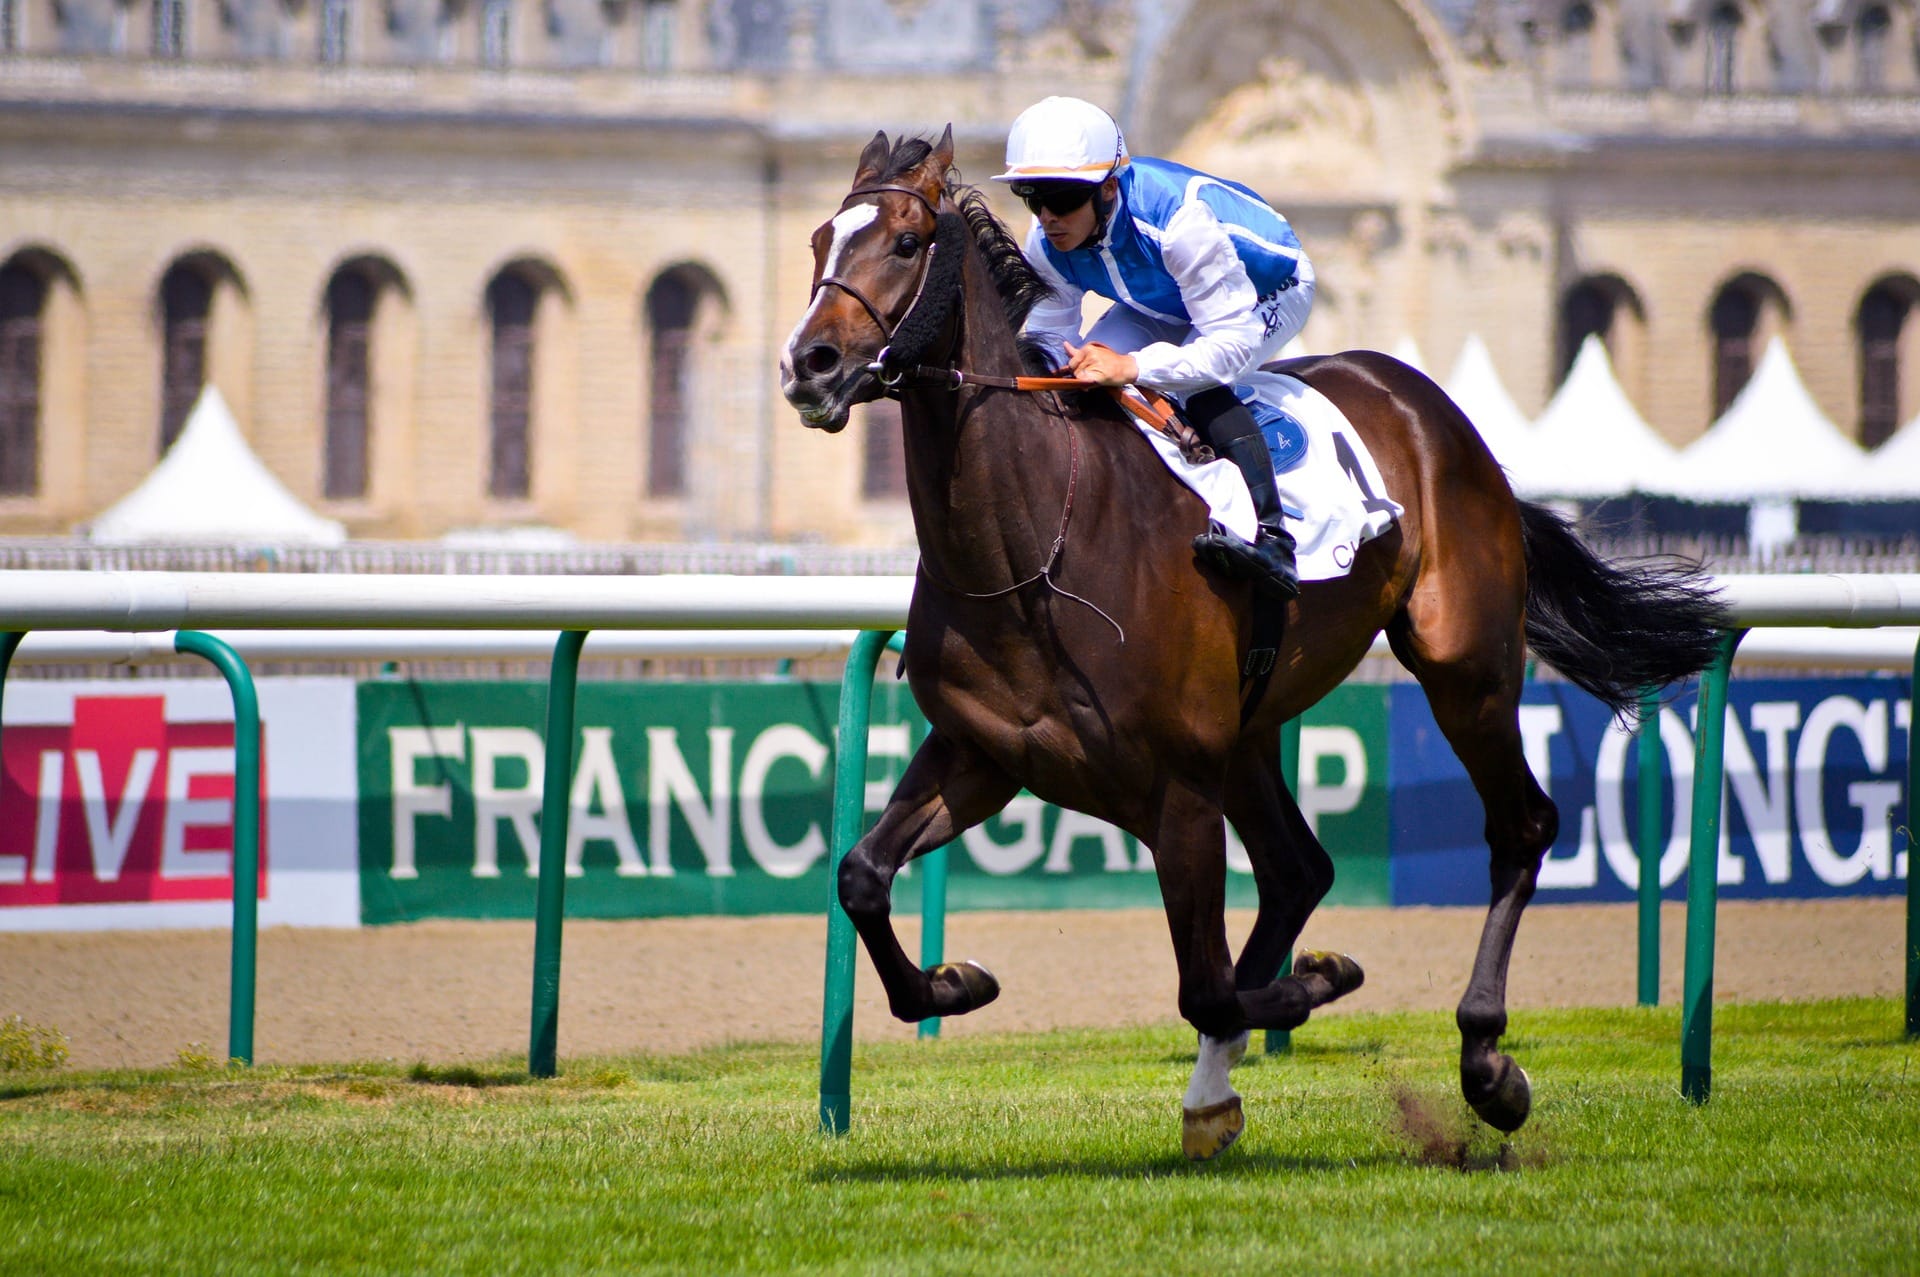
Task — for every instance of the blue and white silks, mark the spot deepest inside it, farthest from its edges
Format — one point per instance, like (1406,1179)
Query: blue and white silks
(1210,282)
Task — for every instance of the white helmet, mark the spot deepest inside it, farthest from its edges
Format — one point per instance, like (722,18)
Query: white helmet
(1063,140)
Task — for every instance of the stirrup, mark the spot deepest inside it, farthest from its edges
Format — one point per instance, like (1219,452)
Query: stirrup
(1237,560)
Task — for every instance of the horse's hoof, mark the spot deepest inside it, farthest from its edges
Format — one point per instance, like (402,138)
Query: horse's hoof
(1505,1108)
(1206,1133)
(960,987)
(1337,969)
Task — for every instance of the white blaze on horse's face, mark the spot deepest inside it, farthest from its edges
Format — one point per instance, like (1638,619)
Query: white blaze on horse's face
(846,224)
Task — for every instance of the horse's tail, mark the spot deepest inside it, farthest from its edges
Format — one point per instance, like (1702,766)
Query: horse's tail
(1615,629)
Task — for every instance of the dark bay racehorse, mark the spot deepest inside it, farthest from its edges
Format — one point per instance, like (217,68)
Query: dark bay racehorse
(1063,638)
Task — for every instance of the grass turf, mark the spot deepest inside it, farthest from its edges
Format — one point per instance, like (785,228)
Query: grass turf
(1051,1153)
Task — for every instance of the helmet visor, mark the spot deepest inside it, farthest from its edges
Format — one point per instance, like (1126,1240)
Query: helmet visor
(1058,198)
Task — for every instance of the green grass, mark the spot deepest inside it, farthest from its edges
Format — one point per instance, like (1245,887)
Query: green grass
(1056,1153)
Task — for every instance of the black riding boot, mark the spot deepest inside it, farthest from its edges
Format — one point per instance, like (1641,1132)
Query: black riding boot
(1229,429)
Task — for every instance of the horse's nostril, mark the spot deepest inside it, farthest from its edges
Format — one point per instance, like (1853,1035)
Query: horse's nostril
(819,360)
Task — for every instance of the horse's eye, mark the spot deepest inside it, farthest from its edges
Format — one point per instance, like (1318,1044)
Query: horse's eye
(907,245)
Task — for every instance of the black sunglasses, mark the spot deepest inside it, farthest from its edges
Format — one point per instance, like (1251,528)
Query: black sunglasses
(1058,198)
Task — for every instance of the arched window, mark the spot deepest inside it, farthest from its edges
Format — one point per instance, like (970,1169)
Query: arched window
(883,473)
(1575,58)
(350,300)
(23,299)
(1883,314)
(1603,306)
(1586,311)
(1735,320)
(1871,31)
(1723,47)
(683,308)
(511,302)
(672,303)
(186,303)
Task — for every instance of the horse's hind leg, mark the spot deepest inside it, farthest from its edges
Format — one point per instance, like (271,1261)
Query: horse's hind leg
(948,788)
(1472,672)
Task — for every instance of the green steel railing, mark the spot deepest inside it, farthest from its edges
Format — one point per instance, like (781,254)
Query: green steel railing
(933,921)
(849,821)
(243,962)
(550,902)
(1647,791)
(1913,850)
(1703,884)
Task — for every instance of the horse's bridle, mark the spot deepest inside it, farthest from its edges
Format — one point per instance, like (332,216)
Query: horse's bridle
(878,366)
(953,378)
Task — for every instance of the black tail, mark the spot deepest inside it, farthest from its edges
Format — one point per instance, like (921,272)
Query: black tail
(1616,630)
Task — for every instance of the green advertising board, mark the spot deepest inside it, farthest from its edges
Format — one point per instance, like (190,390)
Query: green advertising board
(701,798)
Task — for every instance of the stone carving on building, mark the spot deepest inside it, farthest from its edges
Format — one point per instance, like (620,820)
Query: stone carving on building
(1298,124)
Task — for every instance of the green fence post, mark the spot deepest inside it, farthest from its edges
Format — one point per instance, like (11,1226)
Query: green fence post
(1913,850)
(9,644)
(550,903)
(849,819)
(1647,790)
(1280,1041)
(933,921)
(246,834)
(933,899)
(1703,886)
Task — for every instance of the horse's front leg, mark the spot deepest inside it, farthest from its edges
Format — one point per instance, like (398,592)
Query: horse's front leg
(948,788)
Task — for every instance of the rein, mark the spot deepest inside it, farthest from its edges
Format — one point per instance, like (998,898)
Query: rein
(1053,555)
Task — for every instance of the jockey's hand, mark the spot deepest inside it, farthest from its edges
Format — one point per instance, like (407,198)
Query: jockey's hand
(1101,365)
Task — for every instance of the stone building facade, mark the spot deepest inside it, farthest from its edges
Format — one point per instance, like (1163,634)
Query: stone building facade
(485,263)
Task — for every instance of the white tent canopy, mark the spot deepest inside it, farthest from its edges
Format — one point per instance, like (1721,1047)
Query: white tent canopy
(1407,351)
(1891,472)
(1591,442)
(211,489)
(1476,388)
(1773,442)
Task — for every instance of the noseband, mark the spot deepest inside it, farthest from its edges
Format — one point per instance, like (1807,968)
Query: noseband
(878,366)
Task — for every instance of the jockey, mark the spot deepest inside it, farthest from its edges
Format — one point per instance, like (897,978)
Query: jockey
(1208,284)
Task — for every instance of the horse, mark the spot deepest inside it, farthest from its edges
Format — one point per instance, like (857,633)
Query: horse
(1063,638)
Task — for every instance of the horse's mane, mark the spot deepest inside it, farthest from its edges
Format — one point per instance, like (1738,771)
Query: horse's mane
(1019,286)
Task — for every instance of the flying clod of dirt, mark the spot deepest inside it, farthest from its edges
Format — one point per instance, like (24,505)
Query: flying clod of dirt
(1442,1133)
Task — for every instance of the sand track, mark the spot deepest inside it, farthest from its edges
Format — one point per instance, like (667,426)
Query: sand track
(446,991)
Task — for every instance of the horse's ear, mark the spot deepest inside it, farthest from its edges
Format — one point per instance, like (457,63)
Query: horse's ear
(931,174)
(873,159)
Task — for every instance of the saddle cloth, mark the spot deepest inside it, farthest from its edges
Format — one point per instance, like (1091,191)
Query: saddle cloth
(1329,486)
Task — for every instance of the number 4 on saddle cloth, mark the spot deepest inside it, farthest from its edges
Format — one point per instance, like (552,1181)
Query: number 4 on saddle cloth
(1329,486)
